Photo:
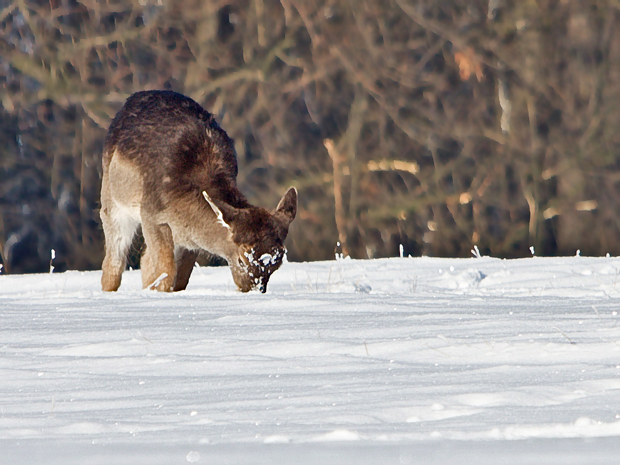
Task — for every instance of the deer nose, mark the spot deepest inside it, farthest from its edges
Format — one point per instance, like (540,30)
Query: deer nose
(262,288)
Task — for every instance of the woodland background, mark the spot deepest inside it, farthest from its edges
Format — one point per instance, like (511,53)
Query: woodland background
(435,125)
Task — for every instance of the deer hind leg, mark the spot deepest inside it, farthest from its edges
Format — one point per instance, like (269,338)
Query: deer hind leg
(119,229)
(157,264)
(185,264)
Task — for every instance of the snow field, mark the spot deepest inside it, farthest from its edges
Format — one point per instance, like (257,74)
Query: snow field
(412,360)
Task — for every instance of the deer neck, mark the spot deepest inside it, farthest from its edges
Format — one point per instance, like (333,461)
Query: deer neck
(195,226)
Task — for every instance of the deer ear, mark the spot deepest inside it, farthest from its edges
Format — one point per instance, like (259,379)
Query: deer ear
(223,215)
(287,207)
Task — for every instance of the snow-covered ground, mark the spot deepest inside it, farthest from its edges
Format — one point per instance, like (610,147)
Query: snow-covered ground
(395,361)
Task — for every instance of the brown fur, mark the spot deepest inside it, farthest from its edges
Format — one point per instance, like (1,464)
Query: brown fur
(162,152)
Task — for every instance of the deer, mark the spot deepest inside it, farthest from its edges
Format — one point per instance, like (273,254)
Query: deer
(169,167)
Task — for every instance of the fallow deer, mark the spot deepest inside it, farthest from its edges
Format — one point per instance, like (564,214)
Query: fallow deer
(168,166)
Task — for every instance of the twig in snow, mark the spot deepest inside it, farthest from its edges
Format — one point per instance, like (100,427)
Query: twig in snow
(440,351)
(144,337)
(563,334)
(329,280)
(158,281)
(52,257)
(476,252)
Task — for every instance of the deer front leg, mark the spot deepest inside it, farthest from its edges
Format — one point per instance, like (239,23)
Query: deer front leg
(158,264)
(185,264)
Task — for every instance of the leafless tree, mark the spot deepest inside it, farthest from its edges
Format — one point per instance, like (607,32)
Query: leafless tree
(435,125)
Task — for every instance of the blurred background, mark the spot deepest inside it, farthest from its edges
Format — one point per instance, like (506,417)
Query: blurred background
(431,125)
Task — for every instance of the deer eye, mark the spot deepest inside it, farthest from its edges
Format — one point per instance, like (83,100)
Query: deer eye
(240,262)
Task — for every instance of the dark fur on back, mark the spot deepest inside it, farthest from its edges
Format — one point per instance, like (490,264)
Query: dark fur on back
(153,125)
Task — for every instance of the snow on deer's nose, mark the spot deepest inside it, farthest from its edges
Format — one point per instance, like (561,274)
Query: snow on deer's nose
(267,259)
(261,268)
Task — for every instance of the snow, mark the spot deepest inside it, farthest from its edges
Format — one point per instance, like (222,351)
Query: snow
(392,361)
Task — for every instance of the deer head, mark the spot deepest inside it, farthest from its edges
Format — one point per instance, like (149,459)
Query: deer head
(257,238)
